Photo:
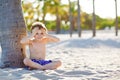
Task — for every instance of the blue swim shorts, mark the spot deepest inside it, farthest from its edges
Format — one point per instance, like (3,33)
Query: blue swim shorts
(42,62)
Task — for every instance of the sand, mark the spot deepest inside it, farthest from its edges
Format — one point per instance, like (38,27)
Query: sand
(84,58)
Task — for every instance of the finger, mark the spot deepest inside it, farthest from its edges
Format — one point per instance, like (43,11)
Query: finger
(35,29)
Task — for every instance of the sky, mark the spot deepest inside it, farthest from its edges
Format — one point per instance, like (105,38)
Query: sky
(103,8)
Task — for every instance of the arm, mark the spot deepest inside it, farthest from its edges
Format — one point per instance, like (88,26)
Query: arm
(26,40)
(51,38)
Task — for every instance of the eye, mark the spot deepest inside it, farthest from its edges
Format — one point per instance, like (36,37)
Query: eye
(42,33)
(36,33)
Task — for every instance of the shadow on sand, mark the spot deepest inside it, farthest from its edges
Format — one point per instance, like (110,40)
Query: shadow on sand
(21,74)
(87,43)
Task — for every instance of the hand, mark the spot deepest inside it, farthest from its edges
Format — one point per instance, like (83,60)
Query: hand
(34,32)
(44,33)
(47,36)
(35,29)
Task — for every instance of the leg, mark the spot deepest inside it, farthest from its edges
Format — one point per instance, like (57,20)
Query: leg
(52,65)
(32,64)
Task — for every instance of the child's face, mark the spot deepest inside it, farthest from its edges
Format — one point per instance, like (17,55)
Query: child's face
(39,33)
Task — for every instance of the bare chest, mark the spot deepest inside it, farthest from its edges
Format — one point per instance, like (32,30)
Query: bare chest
(37,46)
(37,50)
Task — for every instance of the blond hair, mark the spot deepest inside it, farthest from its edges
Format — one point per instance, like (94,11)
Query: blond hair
(39,25)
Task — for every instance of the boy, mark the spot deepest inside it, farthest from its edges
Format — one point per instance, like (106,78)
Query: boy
(37,44)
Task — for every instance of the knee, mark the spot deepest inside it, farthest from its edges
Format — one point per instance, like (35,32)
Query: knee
(26,61)
(59,63)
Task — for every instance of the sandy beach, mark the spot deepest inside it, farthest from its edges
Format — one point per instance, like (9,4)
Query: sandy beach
(84,58)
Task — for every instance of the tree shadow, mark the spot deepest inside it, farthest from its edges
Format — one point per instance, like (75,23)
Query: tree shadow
(62,74)
(87,43)
(76,73)
(42,75)
(21,73)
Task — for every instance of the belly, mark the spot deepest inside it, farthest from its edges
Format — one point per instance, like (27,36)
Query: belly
(37,56)
(37,52)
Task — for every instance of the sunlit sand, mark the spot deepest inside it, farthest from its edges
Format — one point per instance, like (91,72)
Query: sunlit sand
(84,58)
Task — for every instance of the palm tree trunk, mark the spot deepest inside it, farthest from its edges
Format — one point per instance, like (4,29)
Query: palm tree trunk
(78,23)
(94,21)
(12,28)
(70,18)
(44,13)
(57,21)
(116,21)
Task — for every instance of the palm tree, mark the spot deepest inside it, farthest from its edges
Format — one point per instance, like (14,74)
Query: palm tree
(12,28)
(70,18)
(94,20)
(79,27)
(116,22)
(44,9)
(52,7)
(58,19)
(74,14)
